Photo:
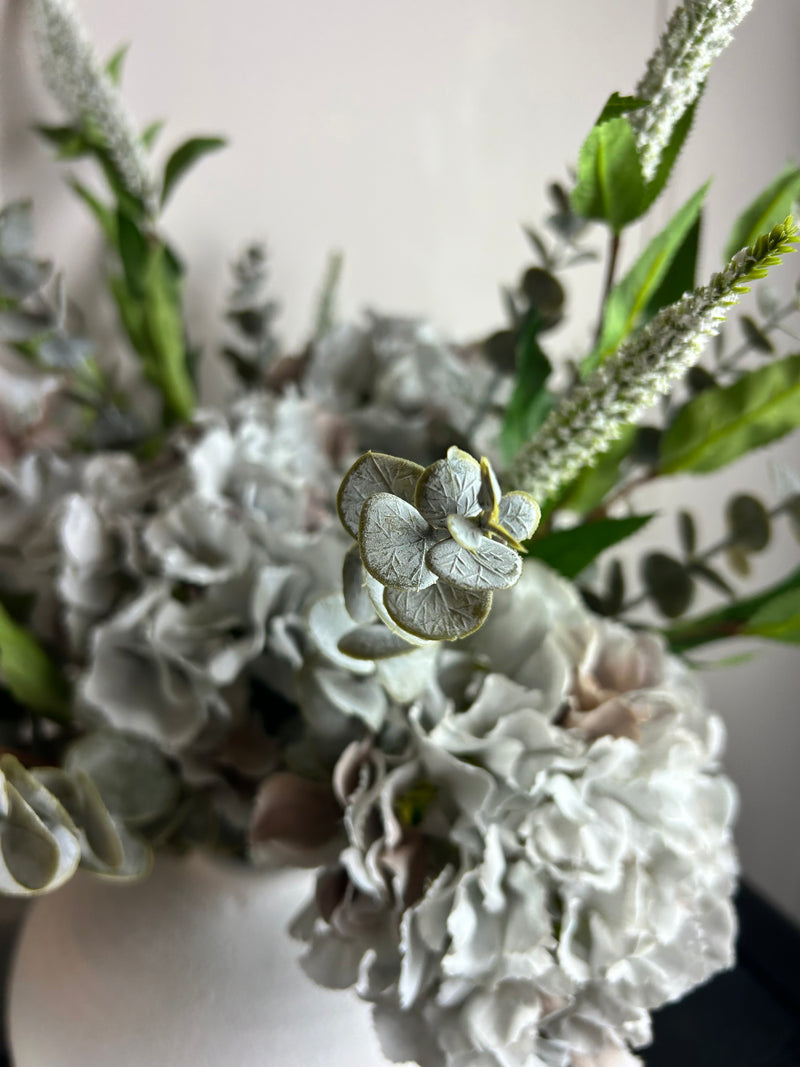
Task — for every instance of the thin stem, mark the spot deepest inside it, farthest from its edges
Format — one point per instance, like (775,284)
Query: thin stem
(485,404)
(704,557)
(613,255)
(729,363)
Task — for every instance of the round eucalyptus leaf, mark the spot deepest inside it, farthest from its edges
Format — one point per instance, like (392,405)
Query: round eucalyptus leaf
(374,472)
(465,532)
(668,582)
(30,853)
(393,539)
(544,292)
(501,350)
(133,778)
(449,486)
(493,566)
(748,523)
(792,508)
(755,336)
(439,613)
(738,561)
(356,598)
(647,445)
(519,515)
(373,642)
(615,588)
(101,846)
(375,591)
(17,326)
(699,379)
(328,621)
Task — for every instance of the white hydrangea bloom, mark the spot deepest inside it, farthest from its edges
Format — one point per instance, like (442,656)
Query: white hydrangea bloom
(519,883)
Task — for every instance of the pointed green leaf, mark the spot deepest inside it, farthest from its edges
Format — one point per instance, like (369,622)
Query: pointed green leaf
(772,612)
(770,207)
(619,105)
(570,551)
(29,673)
(530,401)
(670,154)
(183,159)
(165,326)
(104,215)
(630,300)
(374,472)
(610,185)
(134,252)
(115,65)
(439,613)
(682,274)
(150,133)
(719,425)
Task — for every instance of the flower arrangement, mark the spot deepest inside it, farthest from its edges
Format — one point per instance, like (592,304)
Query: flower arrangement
(352,617)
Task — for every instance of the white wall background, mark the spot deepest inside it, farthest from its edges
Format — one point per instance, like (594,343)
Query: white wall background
(416,136)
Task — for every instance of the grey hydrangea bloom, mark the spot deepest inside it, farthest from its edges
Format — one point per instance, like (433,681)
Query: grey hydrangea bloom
(52,821)
(439,540)
(519,885)
(403,389)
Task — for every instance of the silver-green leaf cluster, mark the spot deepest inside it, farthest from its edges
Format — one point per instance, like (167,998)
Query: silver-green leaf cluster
(438,540)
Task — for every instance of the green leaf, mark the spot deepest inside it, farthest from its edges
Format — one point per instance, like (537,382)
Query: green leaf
(778,619)
(610,186)
(150,133)
(70,142)
(530,401)
(116,63)
(103,214)
(668,582)
(770,207)
(134,252)
(162,306)
(670,154)
(635,294)
(29,673)
(183,159)
(595,482)
(571,551)
(619,105)
(748,523)
(681,276)
(719,425)
(768,614)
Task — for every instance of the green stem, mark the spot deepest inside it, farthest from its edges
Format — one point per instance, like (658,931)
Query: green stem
(608,285)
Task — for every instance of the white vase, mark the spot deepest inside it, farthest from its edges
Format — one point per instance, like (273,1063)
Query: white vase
(191,968)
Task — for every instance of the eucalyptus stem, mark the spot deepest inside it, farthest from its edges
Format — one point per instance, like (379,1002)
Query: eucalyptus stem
(714,550)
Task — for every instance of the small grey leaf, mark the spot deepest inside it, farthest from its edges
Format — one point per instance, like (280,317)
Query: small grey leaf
(448,486)
(375,592)
(393,539)
(465,532)
(16,228)
(356,597)
(439,613)
(493,566)
(58,350)
(20,276)
(374,642)
(328,621)
(16,326)
(374,472)
(519,514)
